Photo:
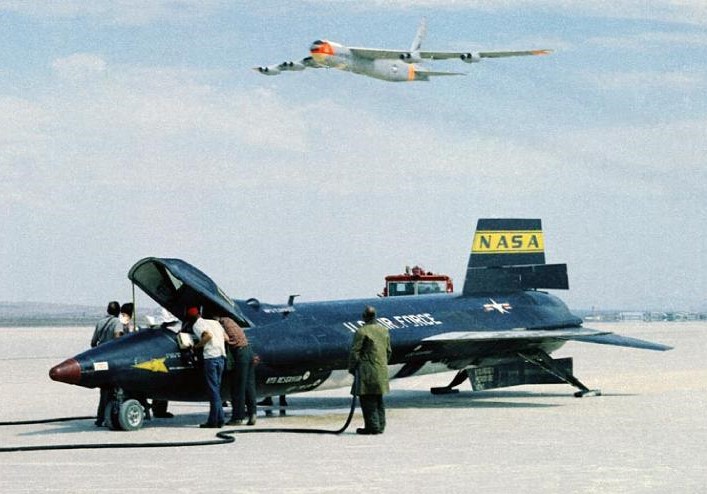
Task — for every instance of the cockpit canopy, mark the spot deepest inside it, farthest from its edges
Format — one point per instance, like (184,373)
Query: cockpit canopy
(176,285)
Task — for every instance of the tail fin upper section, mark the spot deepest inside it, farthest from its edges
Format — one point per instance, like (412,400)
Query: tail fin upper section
(507,242)
(509,255)
(419,36)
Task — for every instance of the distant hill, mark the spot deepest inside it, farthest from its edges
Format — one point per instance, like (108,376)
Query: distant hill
(46,314)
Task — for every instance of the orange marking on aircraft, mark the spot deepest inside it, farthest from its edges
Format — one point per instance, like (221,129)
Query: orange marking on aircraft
(322,49)
(411,72)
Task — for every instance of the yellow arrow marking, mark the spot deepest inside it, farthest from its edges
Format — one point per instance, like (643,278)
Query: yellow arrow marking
(154,365)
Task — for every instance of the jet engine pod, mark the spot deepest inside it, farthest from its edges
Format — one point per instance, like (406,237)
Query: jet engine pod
(270,70)
(410,58)
(470,57)
(296,66)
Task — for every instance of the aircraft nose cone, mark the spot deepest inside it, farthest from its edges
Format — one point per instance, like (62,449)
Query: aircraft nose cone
(69,371)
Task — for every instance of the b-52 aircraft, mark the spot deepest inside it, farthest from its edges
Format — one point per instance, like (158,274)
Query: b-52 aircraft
(388,65)
(499,331)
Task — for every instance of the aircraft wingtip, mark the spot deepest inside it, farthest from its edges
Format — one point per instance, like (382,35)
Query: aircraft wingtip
(625,341)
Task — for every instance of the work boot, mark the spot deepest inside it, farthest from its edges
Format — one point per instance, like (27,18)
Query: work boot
(367,432)
(234,422)
(210,426)
(251,420)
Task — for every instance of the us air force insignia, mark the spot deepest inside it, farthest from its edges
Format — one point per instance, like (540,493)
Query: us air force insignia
(501,307)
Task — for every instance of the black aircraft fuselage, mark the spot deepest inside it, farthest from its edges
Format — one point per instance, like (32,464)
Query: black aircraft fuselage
(501,323)
(302,347)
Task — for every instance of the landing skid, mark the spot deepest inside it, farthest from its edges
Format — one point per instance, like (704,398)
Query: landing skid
(461,376)
(546,363)
(589,392)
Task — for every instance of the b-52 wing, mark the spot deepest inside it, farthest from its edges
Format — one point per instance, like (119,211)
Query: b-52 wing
(466,56)
(305,63)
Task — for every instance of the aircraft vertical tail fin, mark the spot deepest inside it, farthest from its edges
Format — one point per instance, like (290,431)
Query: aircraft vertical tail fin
(509,255)
(419,36)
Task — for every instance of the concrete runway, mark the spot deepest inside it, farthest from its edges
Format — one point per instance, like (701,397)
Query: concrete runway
(647,433)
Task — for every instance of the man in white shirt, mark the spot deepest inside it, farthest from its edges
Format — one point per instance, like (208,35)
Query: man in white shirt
(211,339)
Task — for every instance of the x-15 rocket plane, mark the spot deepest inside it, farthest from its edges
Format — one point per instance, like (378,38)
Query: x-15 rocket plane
(499,331)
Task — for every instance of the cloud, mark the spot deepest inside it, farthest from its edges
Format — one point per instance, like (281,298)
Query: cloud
(97,123)
(665,160)
(681,81)
(685,11)
(136,12)
(79,65)
(24,142)
(649,41)
(128,12)
(101,123)
(164,152)
(164,102)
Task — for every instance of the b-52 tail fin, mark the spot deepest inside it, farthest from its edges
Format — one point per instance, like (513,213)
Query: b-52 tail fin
(509,255)
(419,37)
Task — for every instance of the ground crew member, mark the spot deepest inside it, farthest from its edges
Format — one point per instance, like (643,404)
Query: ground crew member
(242,374)
(159,407)
(211,339)
(107,329)
(369,356)
(127,313)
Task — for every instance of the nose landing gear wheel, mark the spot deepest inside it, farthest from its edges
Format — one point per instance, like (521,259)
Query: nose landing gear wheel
(126,416)
(131,415)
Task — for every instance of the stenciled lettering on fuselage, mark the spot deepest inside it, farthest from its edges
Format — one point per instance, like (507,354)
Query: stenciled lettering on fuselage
(288,379)
(506,242)
(298,382)
(398,322)
(279,310)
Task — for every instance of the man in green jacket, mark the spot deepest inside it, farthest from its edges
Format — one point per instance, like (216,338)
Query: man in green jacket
(369,354)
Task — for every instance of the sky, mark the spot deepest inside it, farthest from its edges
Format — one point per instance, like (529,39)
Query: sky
(134,129)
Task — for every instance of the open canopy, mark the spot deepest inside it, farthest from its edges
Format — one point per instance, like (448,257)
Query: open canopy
(176,285)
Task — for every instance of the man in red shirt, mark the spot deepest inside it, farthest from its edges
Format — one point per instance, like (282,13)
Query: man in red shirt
(242,374)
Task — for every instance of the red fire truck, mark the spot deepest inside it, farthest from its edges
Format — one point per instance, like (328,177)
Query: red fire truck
(416,281)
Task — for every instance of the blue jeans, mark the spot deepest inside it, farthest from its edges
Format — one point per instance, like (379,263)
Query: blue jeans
(213,369)
(242,383)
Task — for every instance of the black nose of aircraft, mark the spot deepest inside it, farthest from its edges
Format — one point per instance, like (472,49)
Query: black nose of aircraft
(69,371)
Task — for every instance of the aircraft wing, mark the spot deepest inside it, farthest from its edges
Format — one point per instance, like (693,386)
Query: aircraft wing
(307,62)
(377,53)
(430,73)
(618,340)
(442,55)
(515,334)
(585,335)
